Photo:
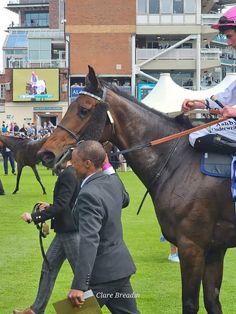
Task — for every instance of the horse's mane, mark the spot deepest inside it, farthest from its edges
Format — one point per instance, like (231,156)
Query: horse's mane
(181,119)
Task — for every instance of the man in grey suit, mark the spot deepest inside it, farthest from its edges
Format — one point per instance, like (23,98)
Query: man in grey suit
(104,264)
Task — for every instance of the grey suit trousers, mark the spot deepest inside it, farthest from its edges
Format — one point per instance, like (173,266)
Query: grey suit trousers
(118,296)
(64,246)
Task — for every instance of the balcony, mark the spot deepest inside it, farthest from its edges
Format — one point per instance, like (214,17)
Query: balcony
(46,33)
(53,63)
(178,54)
(12,2)
(16,5)
(209,19)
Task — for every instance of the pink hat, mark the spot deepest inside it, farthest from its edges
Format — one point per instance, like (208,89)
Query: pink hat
(228,19)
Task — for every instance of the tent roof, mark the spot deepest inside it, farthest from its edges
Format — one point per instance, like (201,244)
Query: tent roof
(167,96)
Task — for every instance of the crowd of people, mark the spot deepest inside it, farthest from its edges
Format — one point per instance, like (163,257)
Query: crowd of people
(29,130)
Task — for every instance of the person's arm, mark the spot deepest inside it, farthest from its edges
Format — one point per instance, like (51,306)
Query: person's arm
(191,104)
(65,190)
(88,215)
(226,97)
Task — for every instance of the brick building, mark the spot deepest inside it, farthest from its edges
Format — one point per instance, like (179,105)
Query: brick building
(100,36)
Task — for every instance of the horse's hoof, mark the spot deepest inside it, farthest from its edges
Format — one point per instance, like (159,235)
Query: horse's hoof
(14,192)
(44,192)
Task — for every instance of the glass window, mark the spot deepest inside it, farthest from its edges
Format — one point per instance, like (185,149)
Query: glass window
(154,6)
(190,6)
(142,7)
(34,55)
(17,39)
(15,51)
(178,6)
(166,6)
(40,49)
(45,55)
(34,44)
(36,19)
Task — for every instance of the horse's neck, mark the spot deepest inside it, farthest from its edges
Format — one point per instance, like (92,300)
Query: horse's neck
(138,125)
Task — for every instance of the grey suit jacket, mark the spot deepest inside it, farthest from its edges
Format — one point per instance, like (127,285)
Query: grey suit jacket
(103,255)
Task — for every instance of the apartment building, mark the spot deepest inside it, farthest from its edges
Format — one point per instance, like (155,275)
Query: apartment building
(35,77)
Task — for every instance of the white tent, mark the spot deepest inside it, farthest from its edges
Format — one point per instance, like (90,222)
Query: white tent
(167,96)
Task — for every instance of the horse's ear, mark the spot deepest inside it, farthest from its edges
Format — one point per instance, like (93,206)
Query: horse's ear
(91,79)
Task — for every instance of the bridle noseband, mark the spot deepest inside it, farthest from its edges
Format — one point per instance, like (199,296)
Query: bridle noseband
(71,133)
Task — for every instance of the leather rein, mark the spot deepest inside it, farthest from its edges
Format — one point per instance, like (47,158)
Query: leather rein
(168,138)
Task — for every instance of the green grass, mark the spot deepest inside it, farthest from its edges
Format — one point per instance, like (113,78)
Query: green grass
(157,281)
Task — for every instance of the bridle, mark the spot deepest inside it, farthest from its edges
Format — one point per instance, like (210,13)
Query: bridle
(77,136)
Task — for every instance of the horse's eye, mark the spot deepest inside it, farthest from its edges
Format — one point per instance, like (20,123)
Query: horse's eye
(83,112)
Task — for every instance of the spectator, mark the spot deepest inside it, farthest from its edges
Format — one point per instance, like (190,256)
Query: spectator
(104,262)
(8,155)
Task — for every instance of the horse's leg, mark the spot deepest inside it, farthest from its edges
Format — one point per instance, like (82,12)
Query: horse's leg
(38,178)
(212,279)
(19,171)
(192,262)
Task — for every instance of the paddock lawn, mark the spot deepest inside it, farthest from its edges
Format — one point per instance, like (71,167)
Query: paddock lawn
(156,283)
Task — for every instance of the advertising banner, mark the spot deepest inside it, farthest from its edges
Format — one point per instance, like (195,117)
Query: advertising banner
(74,92)
(35,85)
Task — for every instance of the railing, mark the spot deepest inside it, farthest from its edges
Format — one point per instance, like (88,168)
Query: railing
(227,61)
(46,33)
(177,54)
(54,63)
(28,2)
(210,53)
(209,19)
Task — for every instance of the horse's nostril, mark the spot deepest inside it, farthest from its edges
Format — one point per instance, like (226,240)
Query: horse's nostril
(48,159)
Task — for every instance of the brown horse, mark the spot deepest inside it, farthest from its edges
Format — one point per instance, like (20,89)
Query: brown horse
(196,212)
(25,153)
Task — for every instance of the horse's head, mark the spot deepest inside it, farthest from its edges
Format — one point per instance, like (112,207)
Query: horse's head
(86,118)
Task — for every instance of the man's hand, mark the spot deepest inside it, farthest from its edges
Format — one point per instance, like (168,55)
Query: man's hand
(228,112)
(26,217)
(76,297)
(189,104)
(43,205)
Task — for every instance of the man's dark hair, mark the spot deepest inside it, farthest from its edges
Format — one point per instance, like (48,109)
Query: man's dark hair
(91,150)
(222,29)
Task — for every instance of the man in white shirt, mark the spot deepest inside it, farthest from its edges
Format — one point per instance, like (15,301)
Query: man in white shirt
(222,136)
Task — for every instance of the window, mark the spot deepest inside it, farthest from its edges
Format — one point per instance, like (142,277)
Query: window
(36,19)
(2,91)
(178,6)
(142,7)
(190,6)
(39,49)
(166,6)
(154,6)
(153,44)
